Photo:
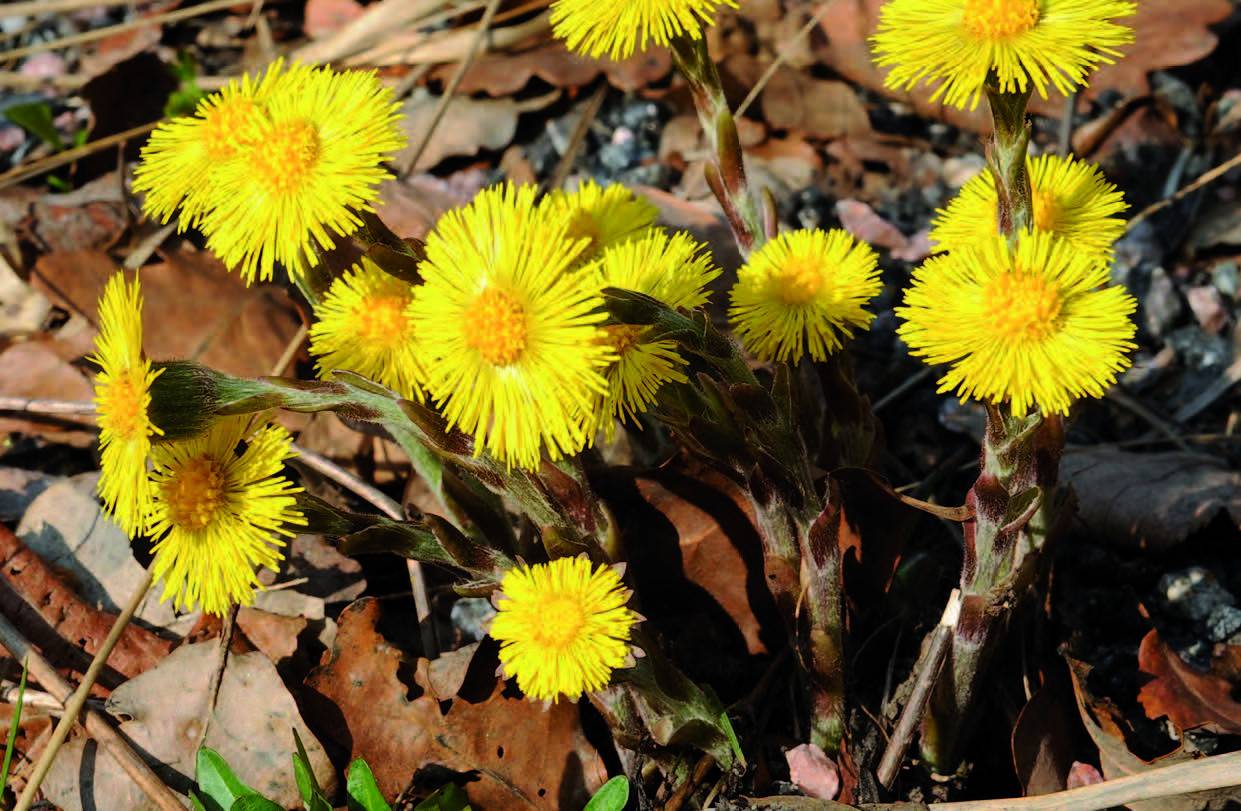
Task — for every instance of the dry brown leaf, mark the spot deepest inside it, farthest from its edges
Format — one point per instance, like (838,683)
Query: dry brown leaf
(467,127)
(410,207)
(325,17)
(66,628)
(505,74)
(275,635)
(811,770)
(1150,500)
(34,369)
(525,756)
(1042,742)
(91,216)
(864,222)
(1190,699)
(818,108)
(194,309)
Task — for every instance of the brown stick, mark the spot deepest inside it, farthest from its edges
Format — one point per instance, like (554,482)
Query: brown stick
(20,173)
(786,50)
(911,715)
(589,113)
(97,725)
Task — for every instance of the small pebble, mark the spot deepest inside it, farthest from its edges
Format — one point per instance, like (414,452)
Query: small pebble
(1223,622)
(471,616)
(1226,278)
(1161,305)
(1193,593)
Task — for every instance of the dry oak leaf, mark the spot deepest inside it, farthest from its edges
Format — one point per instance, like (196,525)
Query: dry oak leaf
(504,74)
(1167,34)
(35,369)
(1189,698)
(1152,500)
(193,308)
(818,108)
(525,756)
(64,626)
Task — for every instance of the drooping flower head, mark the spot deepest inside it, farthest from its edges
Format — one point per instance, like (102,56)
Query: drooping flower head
(562,627)
(307,166)
(804,292)
(182,154)
(602,215)
(619,29)
(122,405)
(1071,200)
(220,511)
(674,269)
(1022,43)
(363,325)
(1031,326)
(508,333)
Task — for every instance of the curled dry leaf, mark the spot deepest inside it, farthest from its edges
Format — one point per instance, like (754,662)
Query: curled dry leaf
(813,771)
(1152,500)
(1189,698)
(525,756)
(64,626)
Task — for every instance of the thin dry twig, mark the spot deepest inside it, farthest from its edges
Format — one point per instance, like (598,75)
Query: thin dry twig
(786,50)
(1205,178)
(119,28)
(290,352)
(50,408)
(928,668)
(75,703)
(389,507)
(96,724)
(589,113)
(477,47)
(217,674)
(20,173)
(446,46)
(34,7)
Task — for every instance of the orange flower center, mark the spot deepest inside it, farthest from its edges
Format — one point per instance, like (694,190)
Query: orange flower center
(1000,19)
(496,327)
(285,155)
(623,337)
(381,321)
(584,226)
(798,281)
(560,621)
(1046,211)
(1024,306)
(225,125)
(123,407)
(194,493)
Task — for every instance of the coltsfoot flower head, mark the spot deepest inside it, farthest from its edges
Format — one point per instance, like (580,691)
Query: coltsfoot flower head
(306,166)
(1025,42)
(619,29)
(803,293)
(674,269)
(1034,326)
(508,332)
(563,627)
(220,512)
(122,405)
(364,326)
(1072,200)
(182,153)
(602,215)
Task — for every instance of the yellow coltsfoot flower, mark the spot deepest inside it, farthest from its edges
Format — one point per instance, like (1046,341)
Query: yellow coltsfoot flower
(674,269)
(1032,326)
(508,332)
(181,155)
(308,165)
(1072,200)
(602,215)
(219,512)
(363,326)
(563,627)
(1023,43)
(618,29)
(803,293)
(122,405)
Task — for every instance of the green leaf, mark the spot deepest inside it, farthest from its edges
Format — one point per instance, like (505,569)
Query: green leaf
(449,798)
(195,803)
(363,791)
(220,788)
(255,802)
(184,100)
(36,119)
(307,785)
(14,723)
(611,797)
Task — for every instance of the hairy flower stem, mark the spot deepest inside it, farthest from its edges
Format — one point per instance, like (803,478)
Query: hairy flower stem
(1014,499)
(726,174)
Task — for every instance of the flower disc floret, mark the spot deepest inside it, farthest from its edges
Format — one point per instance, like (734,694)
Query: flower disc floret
(1034,326)
(1071,199)
(363,325)
(122,405)
(1023,44)
(509,329)
(221,509)
(804,293)
(618,29)
(563,627)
